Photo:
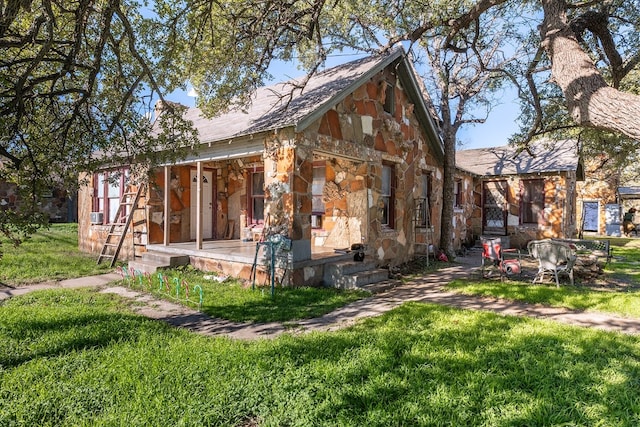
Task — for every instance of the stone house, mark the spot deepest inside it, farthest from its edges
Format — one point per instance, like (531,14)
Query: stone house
(525,196)
(58,203)
(603,198)
(352,158)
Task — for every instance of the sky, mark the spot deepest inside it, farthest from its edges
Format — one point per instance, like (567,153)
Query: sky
(497,129)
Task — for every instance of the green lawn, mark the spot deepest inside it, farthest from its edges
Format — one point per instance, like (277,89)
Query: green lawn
(53,254)
(47,255)
(233,300)
(81,358)
(622,298)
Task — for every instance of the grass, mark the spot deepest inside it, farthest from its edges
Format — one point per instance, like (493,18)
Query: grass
(53,254)
(622,300)
(47,255)
(573,297)
(232,300)
(626,261)
(82,358)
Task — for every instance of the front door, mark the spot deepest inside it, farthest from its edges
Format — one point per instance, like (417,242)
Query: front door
(494,211)
(207,203)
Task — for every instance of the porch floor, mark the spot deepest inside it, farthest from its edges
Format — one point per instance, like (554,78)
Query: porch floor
(239,251)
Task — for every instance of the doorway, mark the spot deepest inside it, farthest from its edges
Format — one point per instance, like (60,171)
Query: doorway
(494,211)
(590,216)
(207,203)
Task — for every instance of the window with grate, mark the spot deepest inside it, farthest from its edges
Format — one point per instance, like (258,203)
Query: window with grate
(532,201)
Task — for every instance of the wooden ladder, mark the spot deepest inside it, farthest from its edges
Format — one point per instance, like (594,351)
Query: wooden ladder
(118,230)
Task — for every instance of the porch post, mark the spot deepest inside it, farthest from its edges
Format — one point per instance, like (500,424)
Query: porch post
(199,206)
(167,205)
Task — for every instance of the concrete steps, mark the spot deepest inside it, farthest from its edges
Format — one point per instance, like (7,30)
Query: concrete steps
(353,274)
(150,262)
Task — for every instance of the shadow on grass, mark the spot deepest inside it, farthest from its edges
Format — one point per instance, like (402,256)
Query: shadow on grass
(286,304)
(64,336)
(423,364)
(42,324)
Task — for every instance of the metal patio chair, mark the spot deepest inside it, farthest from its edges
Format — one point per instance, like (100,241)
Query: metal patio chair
(507,261)
(553,257)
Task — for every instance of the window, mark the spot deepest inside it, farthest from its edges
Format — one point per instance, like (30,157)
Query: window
(317,188)
(387,196)
(389,99)
(108,188)
(256,196)
(532,201)
(457,193)
(424,203)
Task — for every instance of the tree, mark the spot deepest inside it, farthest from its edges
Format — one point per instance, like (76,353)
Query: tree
(464,71)
(75,77)
(77,74)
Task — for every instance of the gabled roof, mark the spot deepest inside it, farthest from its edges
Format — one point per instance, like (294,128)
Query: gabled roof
(548,156)
(282,105)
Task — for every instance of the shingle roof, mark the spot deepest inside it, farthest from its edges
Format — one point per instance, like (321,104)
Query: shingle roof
(281,105)
(632,192)
(548,156)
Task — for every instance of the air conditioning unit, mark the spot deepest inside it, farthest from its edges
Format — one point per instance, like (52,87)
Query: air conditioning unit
(97,217)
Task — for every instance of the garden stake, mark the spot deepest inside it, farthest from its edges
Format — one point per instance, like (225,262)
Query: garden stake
(161,281)
(199,289)
(177,280)
(186,289)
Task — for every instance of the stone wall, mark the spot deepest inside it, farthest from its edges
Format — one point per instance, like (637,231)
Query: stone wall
(354,139)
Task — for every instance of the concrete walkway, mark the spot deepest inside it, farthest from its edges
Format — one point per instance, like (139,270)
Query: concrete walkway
(428,289)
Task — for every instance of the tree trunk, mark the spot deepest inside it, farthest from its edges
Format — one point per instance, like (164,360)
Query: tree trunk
(590,101)
(446,222)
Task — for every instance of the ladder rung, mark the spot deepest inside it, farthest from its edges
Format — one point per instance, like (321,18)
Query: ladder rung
(120,229)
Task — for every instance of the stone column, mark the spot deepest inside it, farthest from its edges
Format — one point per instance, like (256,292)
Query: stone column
(288,177)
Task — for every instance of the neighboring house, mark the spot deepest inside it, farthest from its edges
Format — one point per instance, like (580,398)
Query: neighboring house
(521,195)
(59,204)
(597,198)
(602,203)
(351,158)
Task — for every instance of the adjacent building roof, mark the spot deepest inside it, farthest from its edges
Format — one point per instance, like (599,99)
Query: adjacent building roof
(632,192)
(546,157)
(285,105)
